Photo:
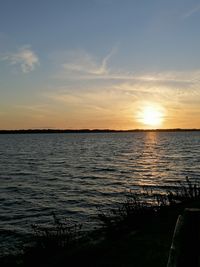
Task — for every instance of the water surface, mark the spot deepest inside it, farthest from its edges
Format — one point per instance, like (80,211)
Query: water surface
(71,174)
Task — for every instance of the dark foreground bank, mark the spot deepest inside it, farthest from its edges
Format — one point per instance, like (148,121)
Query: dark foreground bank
(136,233)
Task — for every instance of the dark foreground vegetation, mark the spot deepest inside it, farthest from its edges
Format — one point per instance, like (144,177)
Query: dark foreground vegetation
(138,232)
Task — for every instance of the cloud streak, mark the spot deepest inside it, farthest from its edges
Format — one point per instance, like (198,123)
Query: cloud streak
(83,65)
(191,12)
(91,93)
(25,57)
(80,65)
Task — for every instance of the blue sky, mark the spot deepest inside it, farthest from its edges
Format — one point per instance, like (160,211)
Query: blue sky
(99,63)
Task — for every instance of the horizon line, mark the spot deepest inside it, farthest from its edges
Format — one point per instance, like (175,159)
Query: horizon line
(54,130)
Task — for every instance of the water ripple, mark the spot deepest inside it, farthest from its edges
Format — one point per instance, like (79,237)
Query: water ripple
(73,173)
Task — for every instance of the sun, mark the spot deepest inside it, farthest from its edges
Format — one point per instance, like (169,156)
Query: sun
(151,115)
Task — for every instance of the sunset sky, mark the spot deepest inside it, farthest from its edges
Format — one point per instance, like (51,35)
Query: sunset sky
(117,64)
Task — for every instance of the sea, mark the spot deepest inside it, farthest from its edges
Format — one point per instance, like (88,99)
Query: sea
(75,174)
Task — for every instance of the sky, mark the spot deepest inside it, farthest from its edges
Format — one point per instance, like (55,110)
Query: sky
(106,64)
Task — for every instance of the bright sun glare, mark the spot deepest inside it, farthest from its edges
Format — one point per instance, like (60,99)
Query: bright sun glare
(151,116)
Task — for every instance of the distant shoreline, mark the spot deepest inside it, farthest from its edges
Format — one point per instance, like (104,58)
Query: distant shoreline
(38,131)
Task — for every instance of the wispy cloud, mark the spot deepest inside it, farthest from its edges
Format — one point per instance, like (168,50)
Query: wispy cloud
(80,65)
(191,12)
(125,89)
(25,57)
(83,65)
(88,89)
(162,86)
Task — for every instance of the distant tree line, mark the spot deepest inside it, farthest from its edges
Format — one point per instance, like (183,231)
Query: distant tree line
(37,131)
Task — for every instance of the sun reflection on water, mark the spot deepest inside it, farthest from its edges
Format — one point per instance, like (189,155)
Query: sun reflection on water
(150,159)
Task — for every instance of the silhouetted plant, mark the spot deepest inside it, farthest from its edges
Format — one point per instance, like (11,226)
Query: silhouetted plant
(188,190)
(59,234)
(128,214)
(136,208)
